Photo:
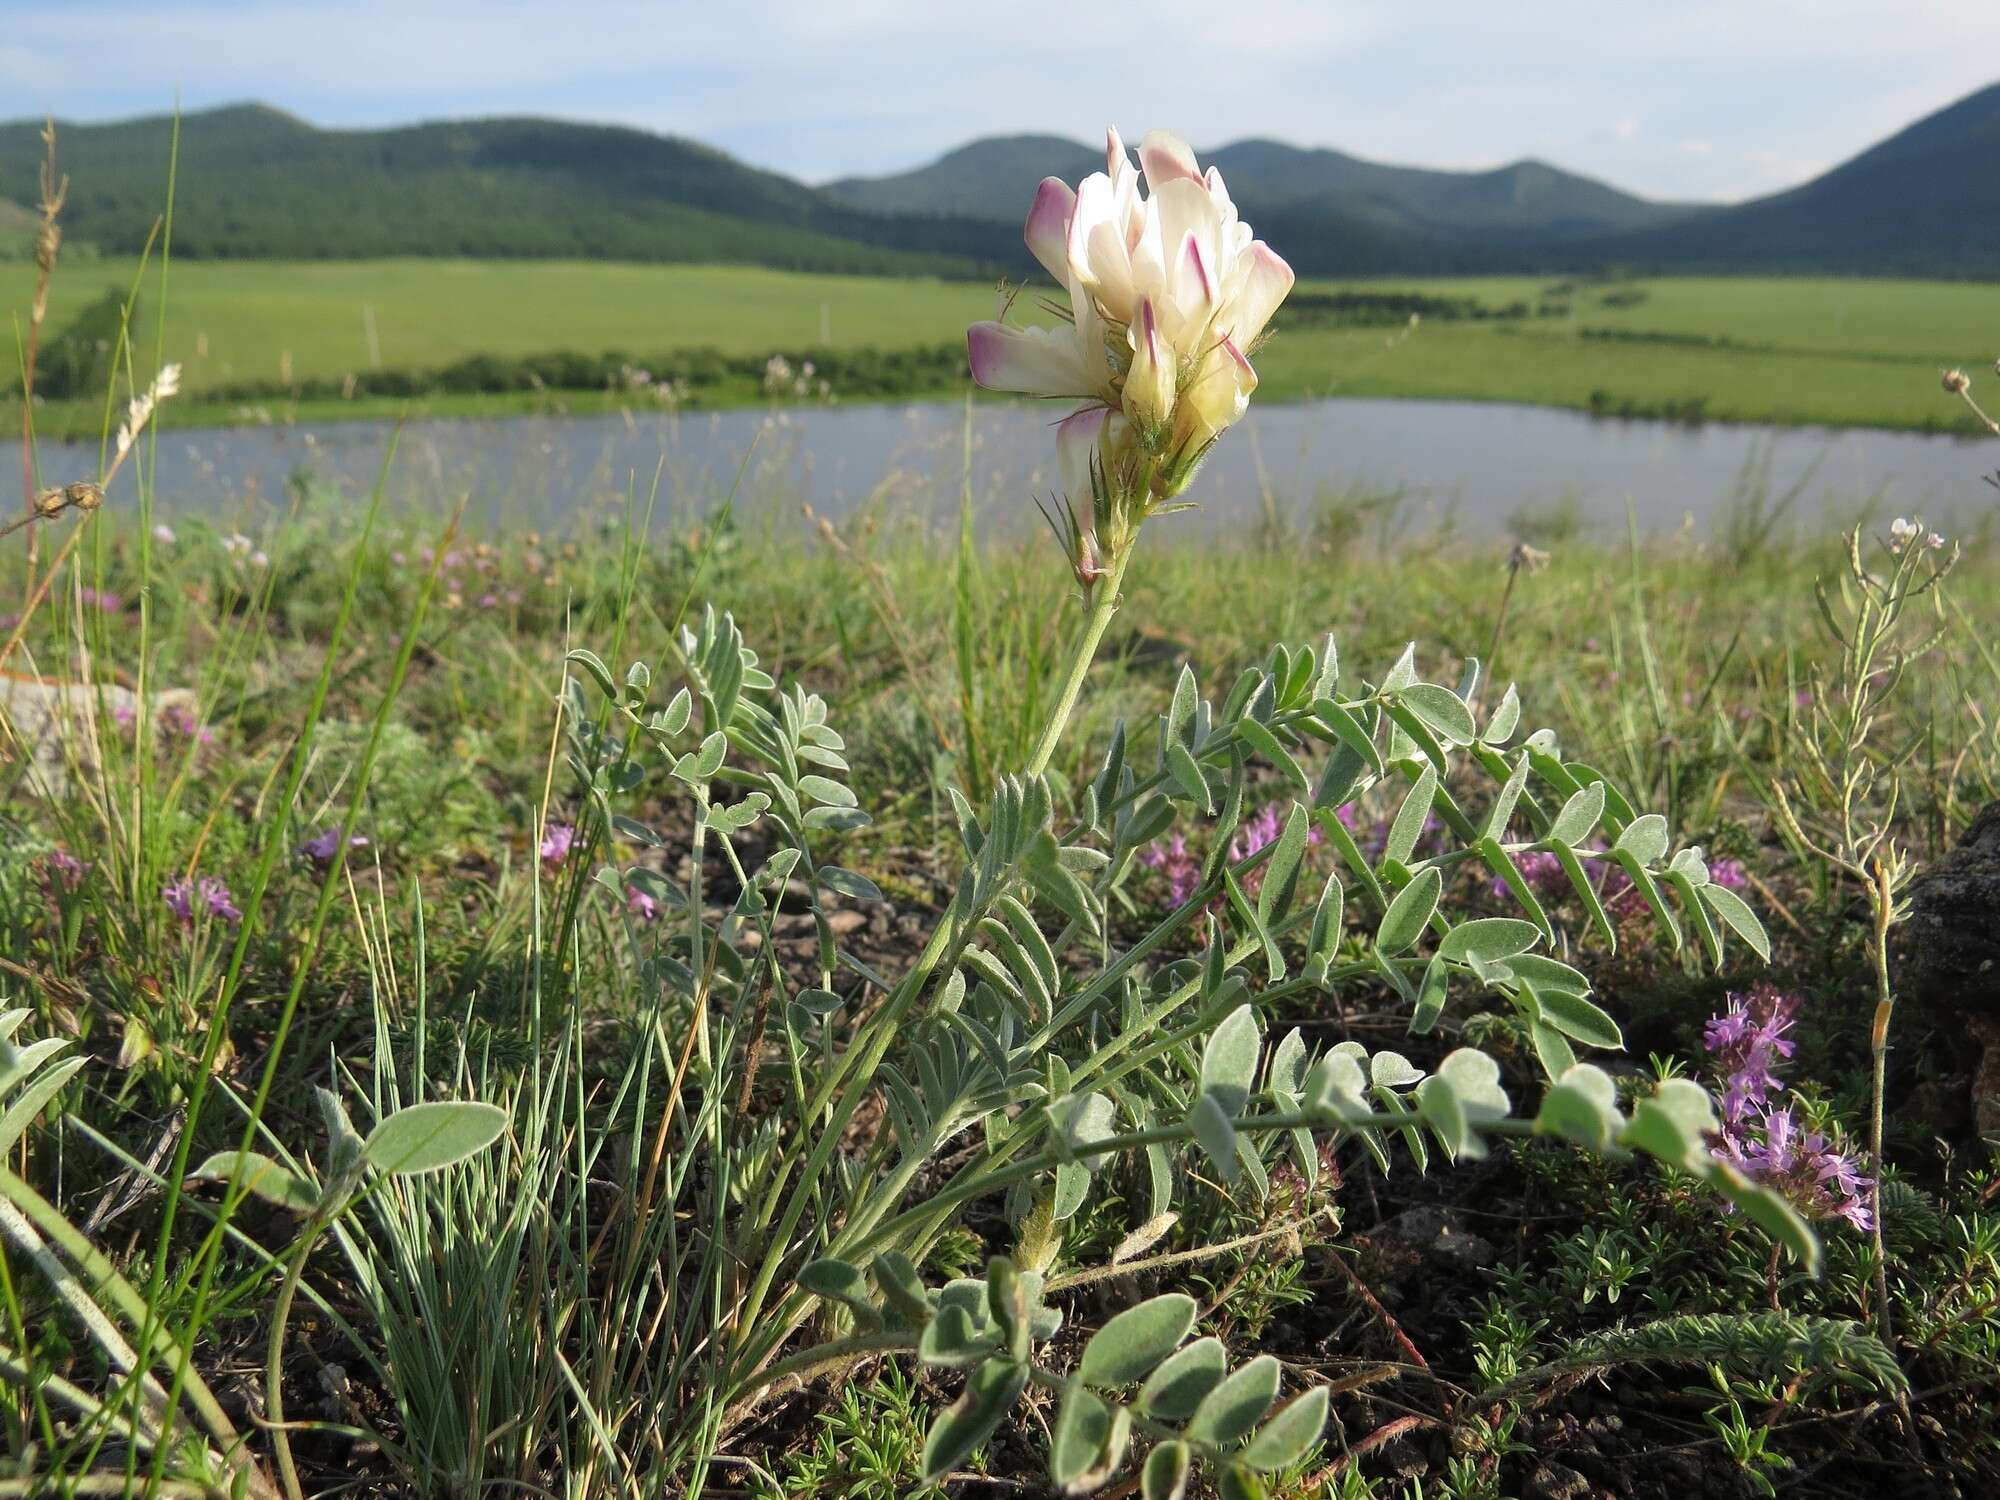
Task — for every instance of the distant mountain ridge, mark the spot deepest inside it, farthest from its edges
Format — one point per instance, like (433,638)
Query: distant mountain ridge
(254,181)
(1527,201)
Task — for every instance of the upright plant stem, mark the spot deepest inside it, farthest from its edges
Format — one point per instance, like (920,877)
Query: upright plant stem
(1102,609)
(274,1358)
(1878,1047)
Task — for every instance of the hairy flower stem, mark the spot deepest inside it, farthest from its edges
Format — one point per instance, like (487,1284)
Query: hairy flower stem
(1104,606)
(1878,1046)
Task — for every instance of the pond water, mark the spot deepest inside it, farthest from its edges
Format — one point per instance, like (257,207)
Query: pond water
(1418,465)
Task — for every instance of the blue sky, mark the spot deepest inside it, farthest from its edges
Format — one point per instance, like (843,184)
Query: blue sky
(1673,98)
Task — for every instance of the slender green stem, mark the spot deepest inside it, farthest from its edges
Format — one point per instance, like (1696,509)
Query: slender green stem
(1878,1047)
(274,1357)
(1102,609)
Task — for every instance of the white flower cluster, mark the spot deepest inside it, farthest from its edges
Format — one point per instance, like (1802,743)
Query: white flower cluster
(1907,533)
(1168,293)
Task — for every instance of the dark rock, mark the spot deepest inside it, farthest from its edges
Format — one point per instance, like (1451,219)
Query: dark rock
(1440,1234)
(1946,955)
(1554,1481)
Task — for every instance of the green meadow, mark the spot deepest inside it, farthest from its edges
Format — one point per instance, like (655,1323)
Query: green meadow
(1812,350)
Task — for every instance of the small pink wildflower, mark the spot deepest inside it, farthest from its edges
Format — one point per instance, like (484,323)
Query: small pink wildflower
(65,871)
(557,840)
(1178,866)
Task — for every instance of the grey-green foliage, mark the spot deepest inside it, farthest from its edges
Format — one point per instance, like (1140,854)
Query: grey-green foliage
(1023,1052)
(140,1350)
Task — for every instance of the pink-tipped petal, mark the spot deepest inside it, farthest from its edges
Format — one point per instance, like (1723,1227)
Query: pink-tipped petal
(1165,157)
(1197,280)
(1032,361)
(1047,229)
(1212,180)
(1114,153)
(1267,284)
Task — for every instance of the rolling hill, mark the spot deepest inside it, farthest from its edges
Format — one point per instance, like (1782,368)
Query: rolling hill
(1926,201)
(255,182)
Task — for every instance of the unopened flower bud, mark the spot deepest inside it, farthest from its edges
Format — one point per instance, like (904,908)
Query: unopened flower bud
(1957,382)
(50,502)
(84,495)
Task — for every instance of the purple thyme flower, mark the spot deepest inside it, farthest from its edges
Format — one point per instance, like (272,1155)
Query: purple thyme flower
(1763,1139)
(1260,829)
(178,723)
(1179,867)
(220,902)
(1541,869)
(65,870)
(1745,1043)
(321,848)
(557,838)
(1729,874)
(182,897)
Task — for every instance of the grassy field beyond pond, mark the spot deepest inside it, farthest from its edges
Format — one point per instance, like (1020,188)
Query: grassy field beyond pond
(1842,352)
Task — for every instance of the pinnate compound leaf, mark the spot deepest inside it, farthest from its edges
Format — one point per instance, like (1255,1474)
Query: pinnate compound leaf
(1444,713)
(1281,872)
(990,1393)
(1740,917)
(952,1339)
(1583,1107)
(1552,1048)
(1173,1391)
(1489,939)
(592,663)
(1236,1405)
(1132,1345)
(1216,1134)
(1265,743)
(1645,839)
(431,1136)
(1165,1476)
(1579,815)
(1229,1061)
(1415,812)
(1290,1434)
(1082,1426)
(262,1176)
(1577,1017)
(1410,912)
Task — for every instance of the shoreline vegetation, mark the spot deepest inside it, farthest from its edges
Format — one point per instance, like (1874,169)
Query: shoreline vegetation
(271,343)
